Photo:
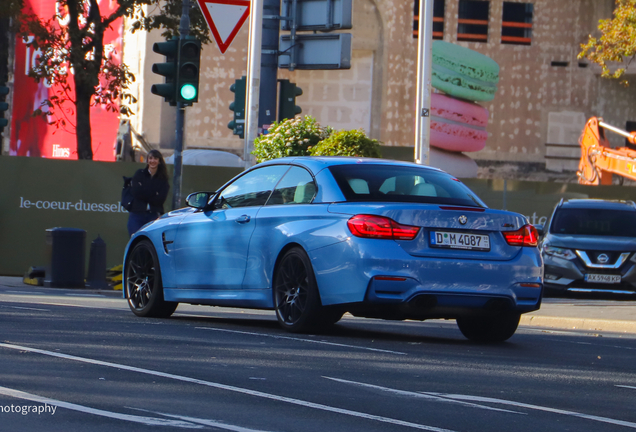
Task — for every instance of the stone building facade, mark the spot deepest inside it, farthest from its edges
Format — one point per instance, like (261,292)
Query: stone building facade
(545,93)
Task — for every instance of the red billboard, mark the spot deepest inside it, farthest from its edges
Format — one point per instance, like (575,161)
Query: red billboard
(33,135)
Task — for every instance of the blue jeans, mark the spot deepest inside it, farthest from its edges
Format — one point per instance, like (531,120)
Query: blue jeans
(138,219)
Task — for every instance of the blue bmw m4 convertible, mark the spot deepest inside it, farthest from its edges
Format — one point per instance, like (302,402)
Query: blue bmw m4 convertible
(313,238)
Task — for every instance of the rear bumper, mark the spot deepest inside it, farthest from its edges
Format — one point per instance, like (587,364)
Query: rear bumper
(437,305)
(388,281)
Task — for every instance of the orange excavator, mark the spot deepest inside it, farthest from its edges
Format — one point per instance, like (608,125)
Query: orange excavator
(599,162)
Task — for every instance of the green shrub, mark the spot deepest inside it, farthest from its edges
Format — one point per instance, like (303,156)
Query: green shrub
(347,143)
(291,137)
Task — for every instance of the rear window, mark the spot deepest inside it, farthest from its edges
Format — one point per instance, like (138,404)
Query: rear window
(387,183)
(594,222)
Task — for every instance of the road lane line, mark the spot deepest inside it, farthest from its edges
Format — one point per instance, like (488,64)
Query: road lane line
(419,395)
(626,386)
(601,345)
(150,421)
(25,292)
(535,407)
(25,308)
(220,386)
(206,422)
(301,340)
(71,305)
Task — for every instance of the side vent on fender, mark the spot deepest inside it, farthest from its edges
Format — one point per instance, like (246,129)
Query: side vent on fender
(165,242)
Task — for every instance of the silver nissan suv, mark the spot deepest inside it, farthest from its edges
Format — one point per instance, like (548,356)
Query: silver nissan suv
(589,246)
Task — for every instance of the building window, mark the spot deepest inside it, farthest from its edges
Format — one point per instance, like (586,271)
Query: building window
(438,19)
(516,26)
(472,23)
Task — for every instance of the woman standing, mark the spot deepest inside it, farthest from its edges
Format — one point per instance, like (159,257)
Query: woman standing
(149,189)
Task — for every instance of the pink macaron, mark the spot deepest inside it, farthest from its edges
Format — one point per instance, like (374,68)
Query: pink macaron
(457,125)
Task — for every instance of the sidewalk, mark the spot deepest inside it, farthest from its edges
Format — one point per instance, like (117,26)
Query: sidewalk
(571,314)
(582,314)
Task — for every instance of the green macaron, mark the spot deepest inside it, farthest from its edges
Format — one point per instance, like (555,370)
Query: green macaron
(463,73)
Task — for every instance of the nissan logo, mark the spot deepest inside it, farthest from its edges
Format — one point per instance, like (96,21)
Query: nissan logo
(463,219)
(602,258)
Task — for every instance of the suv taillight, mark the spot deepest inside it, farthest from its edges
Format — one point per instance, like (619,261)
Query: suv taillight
(527,235)
(380,227)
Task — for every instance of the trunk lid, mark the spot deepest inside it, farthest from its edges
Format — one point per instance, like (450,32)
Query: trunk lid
(435,220)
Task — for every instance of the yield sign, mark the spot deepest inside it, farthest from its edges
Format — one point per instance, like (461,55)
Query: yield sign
(225,18)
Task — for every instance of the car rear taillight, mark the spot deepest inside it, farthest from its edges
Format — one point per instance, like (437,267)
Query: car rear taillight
(527,235)
(380,227)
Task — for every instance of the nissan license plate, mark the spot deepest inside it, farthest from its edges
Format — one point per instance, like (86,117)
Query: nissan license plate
(603,278)
(455,240)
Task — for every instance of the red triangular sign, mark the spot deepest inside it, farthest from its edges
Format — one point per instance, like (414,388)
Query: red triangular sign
(225,18)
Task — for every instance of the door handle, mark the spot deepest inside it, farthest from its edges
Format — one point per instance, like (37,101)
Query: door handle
(243,219)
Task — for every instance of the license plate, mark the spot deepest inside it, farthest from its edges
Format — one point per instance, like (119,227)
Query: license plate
(603,278)
(455,240)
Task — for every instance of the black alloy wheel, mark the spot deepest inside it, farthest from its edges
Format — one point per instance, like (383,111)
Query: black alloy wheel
(493,329)
(296,296)
(144,289)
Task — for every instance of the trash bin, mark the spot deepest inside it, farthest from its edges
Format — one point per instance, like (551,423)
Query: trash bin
(65,254)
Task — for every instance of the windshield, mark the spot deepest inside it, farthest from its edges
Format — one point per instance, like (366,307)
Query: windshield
(594,222)
(399,183)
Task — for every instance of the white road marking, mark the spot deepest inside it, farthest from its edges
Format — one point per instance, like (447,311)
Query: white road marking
(540,330)
(601,345)
(26,308)
(84,295)
(206,422)
(25,292)
(534,407)
(302,340)
(625,386)
(220,386)
(151,421)
(70,305)
(419,395)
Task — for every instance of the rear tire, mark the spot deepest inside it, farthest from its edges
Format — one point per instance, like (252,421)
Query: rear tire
(296,297)
(489,329)
(144,289)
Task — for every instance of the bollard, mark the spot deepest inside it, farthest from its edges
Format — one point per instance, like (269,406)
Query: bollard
(97,265)
(65,250)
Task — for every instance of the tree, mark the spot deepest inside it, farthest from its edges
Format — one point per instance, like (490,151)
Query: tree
(290,137)
(347,143)
(617,42)
(72,47)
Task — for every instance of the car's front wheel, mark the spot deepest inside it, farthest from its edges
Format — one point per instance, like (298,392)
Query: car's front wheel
(296,297)
(489,329)
(144,289)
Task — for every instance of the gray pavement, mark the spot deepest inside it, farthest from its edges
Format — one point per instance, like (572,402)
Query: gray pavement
(556,313)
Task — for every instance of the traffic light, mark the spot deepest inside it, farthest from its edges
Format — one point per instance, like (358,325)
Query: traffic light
(3,106)
(287,108)
(238,107)
(188,71)
(168,69)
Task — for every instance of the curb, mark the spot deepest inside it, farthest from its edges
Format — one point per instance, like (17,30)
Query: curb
(617,326)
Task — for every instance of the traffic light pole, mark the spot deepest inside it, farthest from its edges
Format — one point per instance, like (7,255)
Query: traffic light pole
(424,66)
(253,80)
(184,31)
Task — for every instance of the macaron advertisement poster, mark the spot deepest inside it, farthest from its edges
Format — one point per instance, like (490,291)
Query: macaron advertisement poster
(462,79)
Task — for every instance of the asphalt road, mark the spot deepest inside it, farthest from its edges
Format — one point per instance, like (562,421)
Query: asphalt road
(85,362)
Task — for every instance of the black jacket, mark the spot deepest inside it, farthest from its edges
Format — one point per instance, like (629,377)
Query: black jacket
(149,192)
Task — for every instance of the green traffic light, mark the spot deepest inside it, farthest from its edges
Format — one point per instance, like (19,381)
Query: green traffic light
(188,92)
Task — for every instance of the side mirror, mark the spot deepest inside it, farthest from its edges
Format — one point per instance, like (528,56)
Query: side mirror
(540,229)
(199,200)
